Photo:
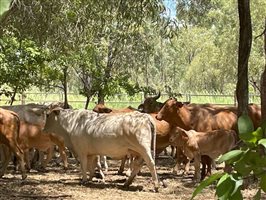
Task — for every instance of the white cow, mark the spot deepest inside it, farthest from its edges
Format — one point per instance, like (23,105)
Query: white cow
(90,134)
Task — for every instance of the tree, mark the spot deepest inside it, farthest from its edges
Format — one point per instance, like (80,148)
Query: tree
(263,83)
(245,42)
(20,64)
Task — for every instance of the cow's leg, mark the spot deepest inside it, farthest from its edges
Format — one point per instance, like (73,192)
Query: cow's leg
(62,149)
(197,160)
(151,165)
(6,160)
(130,164)
(103,160)
(49,156)
(173,150)
(181,158)
(83,158)
(93,162)
(27,159)
(187,165)
(137,164)
(20,156)
(122,166)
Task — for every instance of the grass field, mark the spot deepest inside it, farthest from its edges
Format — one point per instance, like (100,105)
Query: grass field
(123,100)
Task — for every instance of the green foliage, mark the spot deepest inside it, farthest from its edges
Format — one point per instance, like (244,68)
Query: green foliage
(249,160)
(20,64)
(128,46)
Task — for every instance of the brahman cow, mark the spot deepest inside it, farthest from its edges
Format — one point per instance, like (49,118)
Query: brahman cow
(32,118)
(195,144)
(150,105)
(9,130)
(90,134)
(203,117)
(163,130)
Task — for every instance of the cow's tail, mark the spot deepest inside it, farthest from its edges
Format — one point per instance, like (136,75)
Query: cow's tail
(17,131)
(153,142)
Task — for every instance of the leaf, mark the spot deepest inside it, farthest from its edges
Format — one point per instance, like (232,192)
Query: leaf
(245,124)
(242,167)
(263,182)
(230,155)
(262,142)
(224,187)
(205,183)
(252,137)
(238,183)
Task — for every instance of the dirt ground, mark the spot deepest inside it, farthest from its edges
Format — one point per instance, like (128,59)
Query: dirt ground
(56,183)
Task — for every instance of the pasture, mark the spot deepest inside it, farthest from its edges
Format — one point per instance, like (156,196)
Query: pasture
(56,183)
(124,100)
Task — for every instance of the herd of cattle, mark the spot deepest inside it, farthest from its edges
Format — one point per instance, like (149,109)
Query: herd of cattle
(199,132)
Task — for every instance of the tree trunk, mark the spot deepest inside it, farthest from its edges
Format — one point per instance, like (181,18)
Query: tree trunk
(13,97)
(66,105)
(87,102)
(245,41)
(263,84)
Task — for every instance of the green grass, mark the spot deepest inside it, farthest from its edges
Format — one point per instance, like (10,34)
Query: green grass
(122,101)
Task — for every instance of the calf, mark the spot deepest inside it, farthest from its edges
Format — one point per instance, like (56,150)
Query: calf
(90,134)
(195,144)
(9,130)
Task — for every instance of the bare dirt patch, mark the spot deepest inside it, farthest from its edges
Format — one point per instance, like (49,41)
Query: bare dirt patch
(57,183)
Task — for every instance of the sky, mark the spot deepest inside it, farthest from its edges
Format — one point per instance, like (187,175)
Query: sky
(170,8)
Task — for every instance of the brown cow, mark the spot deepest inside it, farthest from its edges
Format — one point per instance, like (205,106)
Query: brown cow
(101,108)
(9,130)
(203,117)
(150,105)
(31,136)
(32,118)
(195,144)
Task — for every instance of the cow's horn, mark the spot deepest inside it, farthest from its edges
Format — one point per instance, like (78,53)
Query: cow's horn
(157,96)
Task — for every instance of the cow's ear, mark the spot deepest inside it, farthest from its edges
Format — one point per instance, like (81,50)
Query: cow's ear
(183,133)
(179,104)
(56,111)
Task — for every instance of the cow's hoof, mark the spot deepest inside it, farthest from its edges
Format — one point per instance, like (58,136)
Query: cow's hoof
(156,189)
(85,182)
(164,183)
(24,176)
(120,172)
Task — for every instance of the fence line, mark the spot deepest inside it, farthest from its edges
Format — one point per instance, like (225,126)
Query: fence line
(123,100)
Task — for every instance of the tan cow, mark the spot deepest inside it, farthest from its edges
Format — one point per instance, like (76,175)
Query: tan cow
(9,130)
(195,144)
(163,130)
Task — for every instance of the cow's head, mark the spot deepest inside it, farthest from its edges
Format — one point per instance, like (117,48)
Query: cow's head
(150,105)
(179,136)
(101,108)
(51,117)
(169,110)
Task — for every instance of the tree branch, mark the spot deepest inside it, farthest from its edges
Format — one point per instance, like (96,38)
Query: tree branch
(261,34)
